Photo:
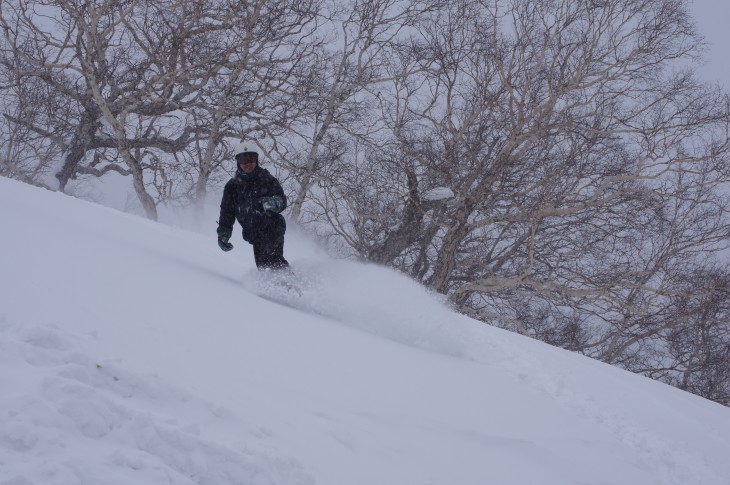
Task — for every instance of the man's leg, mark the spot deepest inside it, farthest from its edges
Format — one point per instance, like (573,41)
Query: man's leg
(269,253)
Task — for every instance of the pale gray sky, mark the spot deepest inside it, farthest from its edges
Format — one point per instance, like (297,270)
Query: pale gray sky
(713,21)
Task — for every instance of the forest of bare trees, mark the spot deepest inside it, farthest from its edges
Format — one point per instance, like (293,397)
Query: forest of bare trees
(553,167)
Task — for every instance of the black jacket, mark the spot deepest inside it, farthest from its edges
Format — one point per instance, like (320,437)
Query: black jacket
(242,200)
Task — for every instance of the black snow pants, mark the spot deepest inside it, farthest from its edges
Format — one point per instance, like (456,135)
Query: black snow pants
(268,250)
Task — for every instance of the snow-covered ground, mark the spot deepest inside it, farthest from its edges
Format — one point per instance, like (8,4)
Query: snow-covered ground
(137,353)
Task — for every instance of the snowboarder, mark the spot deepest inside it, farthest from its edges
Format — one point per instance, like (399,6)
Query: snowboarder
(256,199)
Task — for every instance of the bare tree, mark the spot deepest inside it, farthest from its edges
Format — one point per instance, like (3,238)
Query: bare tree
(263,55)
(25,155)
(79,50)
(583,167)
(155,88)
(696,356)
(341,90)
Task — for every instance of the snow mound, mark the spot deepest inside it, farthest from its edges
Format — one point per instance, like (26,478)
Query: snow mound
(73,418)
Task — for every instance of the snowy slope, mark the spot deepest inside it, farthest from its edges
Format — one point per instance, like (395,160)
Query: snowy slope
(136,353)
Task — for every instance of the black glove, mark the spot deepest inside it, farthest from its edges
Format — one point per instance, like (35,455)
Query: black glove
(224,234)
(224,244)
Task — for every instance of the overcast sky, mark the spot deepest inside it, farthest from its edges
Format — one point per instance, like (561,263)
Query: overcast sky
(713,21)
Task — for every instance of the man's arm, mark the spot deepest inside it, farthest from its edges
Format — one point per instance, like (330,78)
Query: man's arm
(276,202)
(228,211)
(227,217)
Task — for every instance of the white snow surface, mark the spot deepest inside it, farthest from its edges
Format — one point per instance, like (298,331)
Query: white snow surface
(438,193)
(132,352)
